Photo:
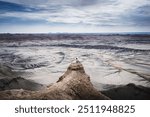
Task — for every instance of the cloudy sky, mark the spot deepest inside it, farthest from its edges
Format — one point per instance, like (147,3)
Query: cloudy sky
(42,16)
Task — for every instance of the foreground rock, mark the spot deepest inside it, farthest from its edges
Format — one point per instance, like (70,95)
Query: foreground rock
(74,84)
(128,92)
(19,83)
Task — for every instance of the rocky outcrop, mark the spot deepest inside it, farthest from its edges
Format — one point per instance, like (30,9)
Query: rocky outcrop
(128,92)
(19,83)
(74,84)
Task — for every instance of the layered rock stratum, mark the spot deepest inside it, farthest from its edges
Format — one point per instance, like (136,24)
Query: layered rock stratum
(74,84)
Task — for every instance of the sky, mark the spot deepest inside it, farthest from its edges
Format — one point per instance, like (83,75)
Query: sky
(74,16)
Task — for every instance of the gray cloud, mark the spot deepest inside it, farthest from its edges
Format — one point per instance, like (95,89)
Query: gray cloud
(85,12)
(73,3)
(139,16)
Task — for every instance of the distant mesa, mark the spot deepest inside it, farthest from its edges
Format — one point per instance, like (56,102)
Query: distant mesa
(74,84)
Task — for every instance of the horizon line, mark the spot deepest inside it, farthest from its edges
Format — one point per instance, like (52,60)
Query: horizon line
(76,32)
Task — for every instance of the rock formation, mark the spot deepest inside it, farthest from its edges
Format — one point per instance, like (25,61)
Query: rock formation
(19,83)
(74,84)
(128,92)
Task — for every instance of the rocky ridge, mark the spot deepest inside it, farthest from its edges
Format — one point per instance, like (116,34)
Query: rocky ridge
(74,84)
